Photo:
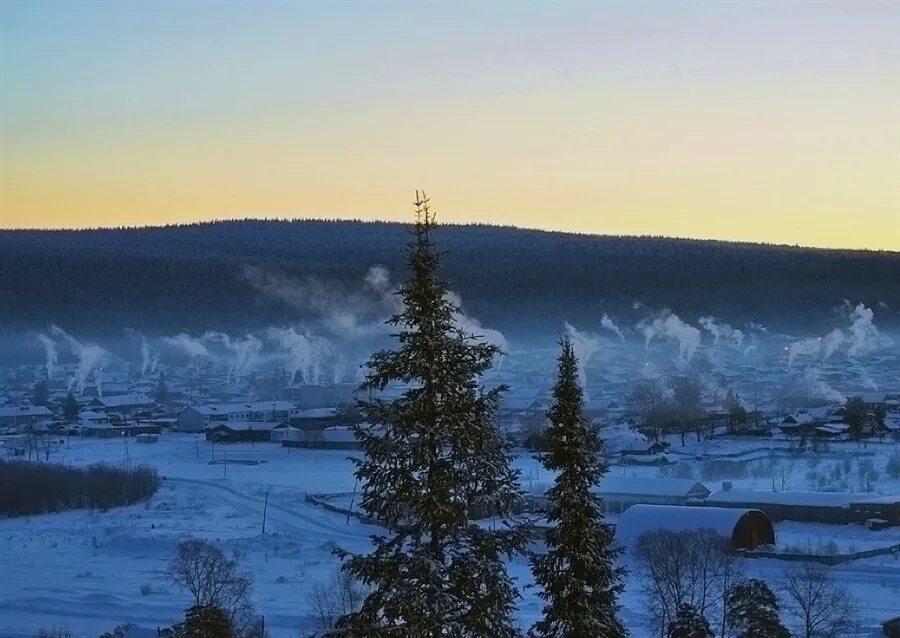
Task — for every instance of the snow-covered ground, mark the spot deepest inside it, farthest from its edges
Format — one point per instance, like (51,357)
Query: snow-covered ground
(89,571)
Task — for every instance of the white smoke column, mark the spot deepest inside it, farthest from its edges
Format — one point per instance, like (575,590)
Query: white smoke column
(89,355)
(194,348)
(804,348)
(819,388)
(146,357)
(759,328)
(472,326)
(378,280)
(721,330)
(670,326)
(832,342)
(50,352)
(355,314)
(245,351)
(863,334)
(305,353)
(610,325)
(584,345)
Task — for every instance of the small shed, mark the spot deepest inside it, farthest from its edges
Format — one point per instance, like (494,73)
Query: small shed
(745,528)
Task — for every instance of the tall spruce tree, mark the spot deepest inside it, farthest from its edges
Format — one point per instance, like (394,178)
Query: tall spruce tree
(433,461)
(579,579)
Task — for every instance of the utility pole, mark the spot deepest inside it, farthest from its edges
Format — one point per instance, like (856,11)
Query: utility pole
(352,496)
(265,510)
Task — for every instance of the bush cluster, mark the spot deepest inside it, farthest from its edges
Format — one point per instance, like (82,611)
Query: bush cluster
(39,488)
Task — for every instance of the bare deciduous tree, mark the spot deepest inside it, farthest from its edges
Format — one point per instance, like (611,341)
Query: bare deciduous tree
(685,567)
(213,579)
(330,601)
(820,607)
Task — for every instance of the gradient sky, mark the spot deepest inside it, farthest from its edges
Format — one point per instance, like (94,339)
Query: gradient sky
(762,122)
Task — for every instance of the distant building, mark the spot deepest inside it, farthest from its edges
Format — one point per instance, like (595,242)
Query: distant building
(122,404)
(117,430)
(243,431)
(199,418)
(336,437)
(618,493)
(315,418)
(21,415)
(816,507)
(744,528)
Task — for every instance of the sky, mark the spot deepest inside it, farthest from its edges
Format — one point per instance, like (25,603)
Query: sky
(764,122)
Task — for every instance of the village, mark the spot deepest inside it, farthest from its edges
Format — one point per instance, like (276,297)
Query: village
(783,476)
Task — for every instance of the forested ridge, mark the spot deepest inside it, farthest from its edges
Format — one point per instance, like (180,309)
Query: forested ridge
(191,277)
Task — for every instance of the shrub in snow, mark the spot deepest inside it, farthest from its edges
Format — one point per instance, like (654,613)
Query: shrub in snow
(38,488)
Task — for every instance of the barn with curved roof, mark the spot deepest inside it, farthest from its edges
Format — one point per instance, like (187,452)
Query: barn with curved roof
(745,528)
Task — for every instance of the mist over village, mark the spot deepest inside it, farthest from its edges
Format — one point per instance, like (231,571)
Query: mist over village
(628,366)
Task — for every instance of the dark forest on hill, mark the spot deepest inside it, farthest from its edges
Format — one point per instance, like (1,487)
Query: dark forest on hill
(162,280)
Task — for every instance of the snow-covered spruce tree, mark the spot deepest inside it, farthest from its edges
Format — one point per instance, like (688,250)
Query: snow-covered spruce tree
(689,623)
(432,460)
(753,611)
(578,576)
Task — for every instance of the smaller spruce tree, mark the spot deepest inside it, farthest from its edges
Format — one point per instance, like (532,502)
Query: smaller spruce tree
(40,394)
(689,623)
(579,579)
(753,611)
(71,408)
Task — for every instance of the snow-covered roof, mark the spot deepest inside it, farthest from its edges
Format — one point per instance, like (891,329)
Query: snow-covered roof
(235,426)
(798,418)
(640,519)
(643,486)
(231,408)
(124,400)
(833,428)
(24,410)
(90,415)
(810,499)
(316,413)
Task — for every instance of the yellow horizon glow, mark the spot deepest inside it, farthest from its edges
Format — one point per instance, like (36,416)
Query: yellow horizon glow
(808,157)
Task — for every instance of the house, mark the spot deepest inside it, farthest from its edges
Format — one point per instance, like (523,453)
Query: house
(243,431)
(22,415)
(198,418)
(123,403)
(831,430)
(796,423)
(335,437)
(116,430)
(91,417)
(314,418)
(744,528)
